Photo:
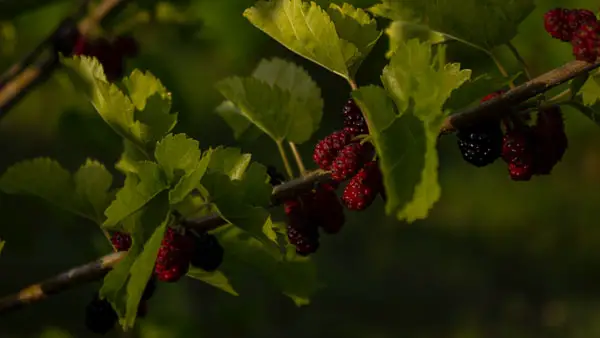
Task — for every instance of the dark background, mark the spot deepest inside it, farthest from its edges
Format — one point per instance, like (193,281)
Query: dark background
(496,258)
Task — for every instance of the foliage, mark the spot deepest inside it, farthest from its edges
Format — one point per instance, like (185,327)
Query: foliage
(166,172)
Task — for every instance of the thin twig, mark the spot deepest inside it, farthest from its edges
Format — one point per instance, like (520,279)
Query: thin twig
(298,158)
(517,55)
(501,105)
(39,64)
(74,277)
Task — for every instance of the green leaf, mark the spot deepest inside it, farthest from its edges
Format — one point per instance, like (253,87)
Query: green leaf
(142,117)
(305,29)
(92,183)
(475,89)
(2,245)
(577,83)
(142,268)
(591,111)
(229,161)
(280,99)
(177,152)
(354,25)
(240,191)
(306,103)
(243,129)
(590,91)
(399,31)
(262,104)
(406,139)
(114,107)
(587,99)
(483,24)
(190,180)
(215,278)
(130,158)
(137,191)
(294,276)
(44,178)
(153,104)
(114,286)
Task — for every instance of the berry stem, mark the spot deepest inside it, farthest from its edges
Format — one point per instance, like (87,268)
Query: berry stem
(520,59)
(353,84)
(284,158)
(502,70)
(298,158)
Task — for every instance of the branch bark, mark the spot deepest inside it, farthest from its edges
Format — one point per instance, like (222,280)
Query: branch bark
(497,107)
(100,267)
(20,78)
(41,62)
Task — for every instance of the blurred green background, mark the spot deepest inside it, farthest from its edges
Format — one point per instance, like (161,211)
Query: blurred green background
(496,258)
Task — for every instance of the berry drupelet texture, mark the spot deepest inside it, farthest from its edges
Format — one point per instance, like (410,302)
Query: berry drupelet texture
(577,26)
(208,252)
(100,317)
(480,145)
(301,232)
(354,121)
(363,187)
(121,241)
(350,159)
(174,256)
(518,151)
(326,150)
(324,208)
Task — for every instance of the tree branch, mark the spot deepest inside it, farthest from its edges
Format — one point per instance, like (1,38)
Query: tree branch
(66,280)
(491,109)
(38,65)
(501,105)
(100,267)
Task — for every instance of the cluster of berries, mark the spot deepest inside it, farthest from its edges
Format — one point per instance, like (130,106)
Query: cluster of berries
(347,159)
(110,53)
(528,150)
(177,251)
(100,317)
(580,27)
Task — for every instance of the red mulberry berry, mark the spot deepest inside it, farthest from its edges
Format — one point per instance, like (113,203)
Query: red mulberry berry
(354,121)
(518,150)
(363,187)
(586,43)
(551,139)
(556,24)
(326,150)
(576,18)
(208,252)
(100,317)
(121,241)
(301,232)
(174,255)
(324,208)
(350,159)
